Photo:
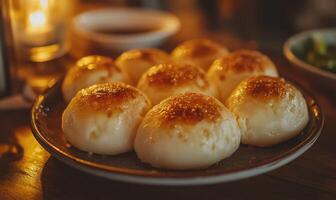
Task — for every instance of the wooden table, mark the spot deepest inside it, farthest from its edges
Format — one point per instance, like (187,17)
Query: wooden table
(28,172)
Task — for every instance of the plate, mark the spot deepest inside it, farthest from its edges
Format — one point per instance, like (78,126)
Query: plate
(246,162)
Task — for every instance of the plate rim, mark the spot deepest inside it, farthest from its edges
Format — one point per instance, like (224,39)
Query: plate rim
(136,176)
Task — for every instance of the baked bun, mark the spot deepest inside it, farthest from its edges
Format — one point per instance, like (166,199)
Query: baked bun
(88,71)
(227,72)
(187,131)
(268,109)
(164,80)
(135,62)
(103,118)
(199,52)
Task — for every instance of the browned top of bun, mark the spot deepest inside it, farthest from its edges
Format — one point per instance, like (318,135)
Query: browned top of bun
(105,96)
(265,87)
(173,74)
(93,62)
(244,60)
(196,48)
(188,108)
(149,55)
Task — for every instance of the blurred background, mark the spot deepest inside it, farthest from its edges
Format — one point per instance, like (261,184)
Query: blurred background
(268,23)
(255,24)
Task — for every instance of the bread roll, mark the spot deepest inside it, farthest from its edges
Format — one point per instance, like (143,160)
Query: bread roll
(269,110)
(164,80)
(103,118)
(88,71)
(227,72)
(199,52)
(187,131)
(135,62)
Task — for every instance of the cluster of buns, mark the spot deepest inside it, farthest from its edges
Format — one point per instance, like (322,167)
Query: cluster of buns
(186,110)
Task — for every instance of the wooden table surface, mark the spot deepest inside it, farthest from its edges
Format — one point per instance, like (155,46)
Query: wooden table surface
(27,171)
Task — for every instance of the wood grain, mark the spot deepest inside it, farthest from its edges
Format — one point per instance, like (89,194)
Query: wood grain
(28,172)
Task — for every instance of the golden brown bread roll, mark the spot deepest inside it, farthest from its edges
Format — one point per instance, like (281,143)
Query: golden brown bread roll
(91,70)
(164,80)
(103,118)
(227,72)
(199,52)
(187,131)
(136,61)
(269,110)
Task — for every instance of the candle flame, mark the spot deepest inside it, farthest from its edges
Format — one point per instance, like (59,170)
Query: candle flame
(37,19)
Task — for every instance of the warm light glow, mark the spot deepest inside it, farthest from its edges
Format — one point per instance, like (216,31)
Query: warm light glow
(44,4)
(42,54)
(37,20)
(40,28)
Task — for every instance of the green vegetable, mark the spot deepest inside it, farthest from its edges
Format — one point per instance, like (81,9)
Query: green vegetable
(318,53)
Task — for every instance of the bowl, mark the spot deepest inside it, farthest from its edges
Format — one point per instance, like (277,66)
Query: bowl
(316,75)
(121,29)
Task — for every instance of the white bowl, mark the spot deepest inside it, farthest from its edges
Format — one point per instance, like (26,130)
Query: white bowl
(316,75)
(162,26)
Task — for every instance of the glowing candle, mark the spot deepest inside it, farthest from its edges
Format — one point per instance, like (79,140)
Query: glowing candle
(40,28)
(37,21)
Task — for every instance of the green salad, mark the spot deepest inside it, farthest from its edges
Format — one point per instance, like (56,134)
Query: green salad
(317,52)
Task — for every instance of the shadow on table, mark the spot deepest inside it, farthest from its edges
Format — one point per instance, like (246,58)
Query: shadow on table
(10,149)
(62,182)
